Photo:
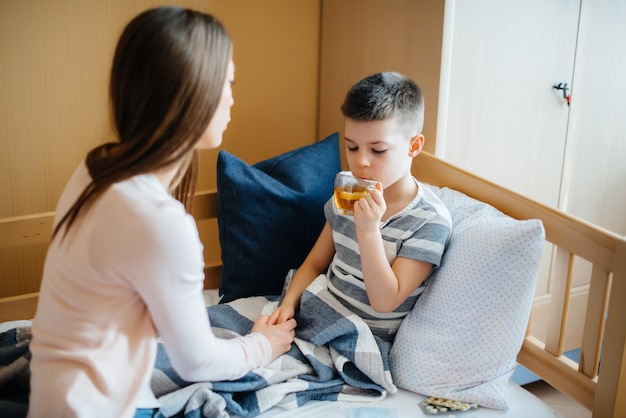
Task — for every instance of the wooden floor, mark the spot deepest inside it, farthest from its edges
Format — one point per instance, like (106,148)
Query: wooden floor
(557,401)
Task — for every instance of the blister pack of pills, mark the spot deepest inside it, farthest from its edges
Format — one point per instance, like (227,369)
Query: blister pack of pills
(443,407)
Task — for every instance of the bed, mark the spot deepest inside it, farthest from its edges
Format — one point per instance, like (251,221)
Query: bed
(597,381)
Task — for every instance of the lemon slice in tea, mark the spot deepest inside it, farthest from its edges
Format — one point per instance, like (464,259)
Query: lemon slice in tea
(353,195)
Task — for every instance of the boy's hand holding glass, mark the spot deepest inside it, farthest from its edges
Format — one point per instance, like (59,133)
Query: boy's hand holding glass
(349,189)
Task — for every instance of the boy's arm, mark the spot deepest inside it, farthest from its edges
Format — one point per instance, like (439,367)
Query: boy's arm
(316,263)
(388,286)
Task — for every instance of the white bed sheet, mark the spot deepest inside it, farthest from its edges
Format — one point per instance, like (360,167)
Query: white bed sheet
(523,404)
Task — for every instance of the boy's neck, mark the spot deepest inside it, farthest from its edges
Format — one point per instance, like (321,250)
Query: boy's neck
(399,195)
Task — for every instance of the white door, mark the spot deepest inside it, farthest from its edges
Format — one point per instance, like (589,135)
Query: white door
(594,176)
(501,118)
(499,115)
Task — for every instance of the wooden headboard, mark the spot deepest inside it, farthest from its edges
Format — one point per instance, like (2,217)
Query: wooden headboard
(595,382)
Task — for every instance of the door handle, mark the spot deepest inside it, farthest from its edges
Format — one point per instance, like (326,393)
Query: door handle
(566,96)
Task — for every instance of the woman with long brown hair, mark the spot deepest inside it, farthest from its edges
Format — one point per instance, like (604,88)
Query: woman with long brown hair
(125,264)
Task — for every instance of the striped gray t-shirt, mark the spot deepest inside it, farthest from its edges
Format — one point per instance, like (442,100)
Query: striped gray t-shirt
(420,231)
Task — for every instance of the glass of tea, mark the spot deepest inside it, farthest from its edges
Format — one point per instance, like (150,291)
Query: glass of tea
(349,189)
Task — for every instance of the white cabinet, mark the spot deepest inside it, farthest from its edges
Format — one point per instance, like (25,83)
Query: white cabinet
(500,117)
(594,171)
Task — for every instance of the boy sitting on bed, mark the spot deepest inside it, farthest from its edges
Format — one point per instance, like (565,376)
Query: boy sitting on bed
(377,261)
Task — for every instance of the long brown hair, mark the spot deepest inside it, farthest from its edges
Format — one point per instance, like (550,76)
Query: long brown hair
(166,81)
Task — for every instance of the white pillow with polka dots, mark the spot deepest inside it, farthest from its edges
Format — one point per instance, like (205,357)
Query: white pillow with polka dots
(461,339)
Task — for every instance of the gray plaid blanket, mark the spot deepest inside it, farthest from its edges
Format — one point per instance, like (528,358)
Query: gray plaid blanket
(335,357)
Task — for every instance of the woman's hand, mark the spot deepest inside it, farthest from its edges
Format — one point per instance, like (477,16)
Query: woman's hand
(280,335)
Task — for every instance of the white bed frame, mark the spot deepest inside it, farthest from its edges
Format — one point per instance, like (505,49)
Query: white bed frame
(604,332)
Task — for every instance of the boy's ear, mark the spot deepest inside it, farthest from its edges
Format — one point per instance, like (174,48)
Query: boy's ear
(417,143)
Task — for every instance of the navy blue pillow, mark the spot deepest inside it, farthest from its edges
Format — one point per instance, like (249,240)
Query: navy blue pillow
(270,214)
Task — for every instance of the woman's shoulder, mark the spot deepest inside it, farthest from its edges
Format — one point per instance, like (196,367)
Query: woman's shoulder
(141,206)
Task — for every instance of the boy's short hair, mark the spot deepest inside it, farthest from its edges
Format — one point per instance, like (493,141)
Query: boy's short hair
(384,95)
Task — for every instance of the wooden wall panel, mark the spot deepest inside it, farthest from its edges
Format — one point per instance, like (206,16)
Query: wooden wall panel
(361,37)
(276,54)
(55,59)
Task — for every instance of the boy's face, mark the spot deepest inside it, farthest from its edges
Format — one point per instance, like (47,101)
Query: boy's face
(380,150)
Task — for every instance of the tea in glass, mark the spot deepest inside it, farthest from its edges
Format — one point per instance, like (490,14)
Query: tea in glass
(349,189)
